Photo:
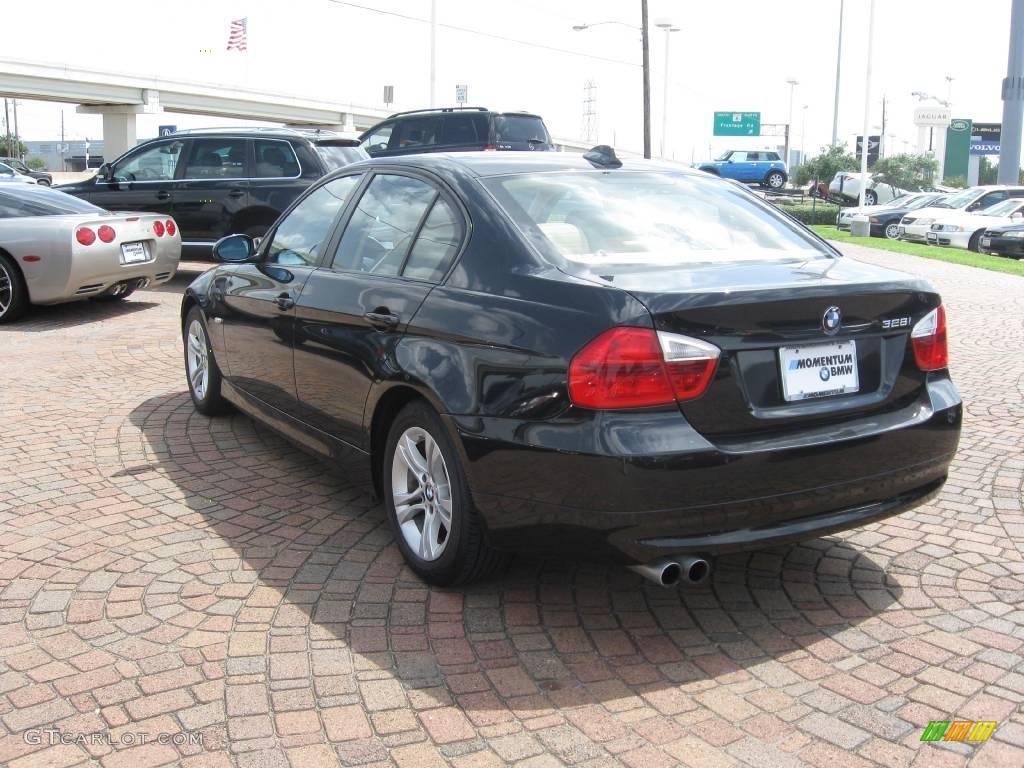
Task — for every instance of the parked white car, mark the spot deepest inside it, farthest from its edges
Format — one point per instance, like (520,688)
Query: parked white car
(964,230)
(845,215)
(847,185)
(916,225)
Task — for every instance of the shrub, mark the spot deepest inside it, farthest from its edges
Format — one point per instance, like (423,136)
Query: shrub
(820,213)
(36,163)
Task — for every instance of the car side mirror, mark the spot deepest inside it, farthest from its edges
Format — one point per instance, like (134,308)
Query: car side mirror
(234,249)
(103,172)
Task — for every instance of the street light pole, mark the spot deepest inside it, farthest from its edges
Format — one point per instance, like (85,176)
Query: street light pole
(647,78)
(803,136)
(839,63)
(669,29)
(867,107)
(793,83)
(433,52)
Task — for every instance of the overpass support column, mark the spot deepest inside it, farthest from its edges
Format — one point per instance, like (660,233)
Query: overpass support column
(118,126)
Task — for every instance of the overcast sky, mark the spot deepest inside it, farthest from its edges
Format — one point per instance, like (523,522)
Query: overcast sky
(728,55)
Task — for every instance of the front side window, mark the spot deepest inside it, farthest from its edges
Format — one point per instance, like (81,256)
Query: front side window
(6,170)
(300,237)
(153,164)
(216,159)
(378,139)
(738,157)
(383,225)
(619,222)
(419,132)
(275,160)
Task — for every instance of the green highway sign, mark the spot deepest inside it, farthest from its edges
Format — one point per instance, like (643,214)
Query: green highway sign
(737,124)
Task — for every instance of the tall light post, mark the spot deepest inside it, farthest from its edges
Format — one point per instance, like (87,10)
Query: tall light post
(669,29)
(646,66)
(867,106)
(839,63)
(433,52)
(793,83)
(803,135)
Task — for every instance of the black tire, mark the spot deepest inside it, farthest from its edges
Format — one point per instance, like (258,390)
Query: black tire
(108,297)
(466,555)
(974,244)
(209,402)
(892,231)
(13,293)
(870,197)
(775,180)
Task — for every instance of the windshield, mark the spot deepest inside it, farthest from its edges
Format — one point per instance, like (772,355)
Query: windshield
(925,200)
(1004,208)
(621,222)
(959,200)
(41,201)
(724,156)
(336,157)
(520,128)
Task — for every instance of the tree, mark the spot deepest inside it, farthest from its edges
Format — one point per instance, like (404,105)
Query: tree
(831,161)
(988,172)
(36,163)
(906,171)
(12,149)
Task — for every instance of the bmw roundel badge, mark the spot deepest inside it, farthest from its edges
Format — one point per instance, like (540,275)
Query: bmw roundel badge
(831,320)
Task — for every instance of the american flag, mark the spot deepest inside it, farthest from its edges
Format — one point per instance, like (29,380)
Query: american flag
(237,37)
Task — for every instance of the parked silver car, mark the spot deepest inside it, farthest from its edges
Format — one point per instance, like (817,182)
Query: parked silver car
(56,248)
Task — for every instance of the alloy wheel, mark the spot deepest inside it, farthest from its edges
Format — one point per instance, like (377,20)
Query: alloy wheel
(422,493)
(198,359)
(775,181)
(892,231)
(6,289)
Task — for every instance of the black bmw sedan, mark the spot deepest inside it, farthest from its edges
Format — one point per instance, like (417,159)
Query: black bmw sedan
(576,356)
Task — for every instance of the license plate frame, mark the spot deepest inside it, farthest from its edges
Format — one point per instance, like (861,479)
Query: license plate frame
(135,252)
(901,230)
(819,370)
(931,237)
(986,242)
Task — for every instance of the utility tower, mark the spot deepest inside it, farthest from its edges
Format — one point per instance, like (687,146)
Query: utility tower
(589,111)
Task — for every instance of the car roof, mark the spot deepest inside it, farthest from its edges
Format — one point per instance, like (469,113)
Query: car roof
(460,110)
(272,131)
(484,164)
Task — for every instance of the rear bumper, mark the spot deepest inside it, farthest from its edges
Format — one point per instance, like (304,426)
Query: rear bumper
(630,487)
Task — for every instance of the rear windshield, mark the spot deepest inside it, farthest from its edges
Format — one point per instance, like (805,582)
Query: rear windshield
(520,128)
(335,157)
(624,221)
(41,201)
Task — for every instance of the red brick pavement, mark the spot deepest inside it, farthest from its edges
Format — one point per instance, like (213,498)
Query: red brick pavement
(164,573)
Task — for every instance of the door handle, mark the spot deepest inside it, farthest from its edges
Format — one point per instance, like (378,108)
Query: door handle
(163,195)
(284,302)
(382,319)
(236,193)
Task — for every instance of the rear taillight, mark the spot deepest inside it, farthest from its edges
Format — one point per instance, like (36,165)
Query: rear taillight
(171,227)
(929,341)
(85,236)
(639,367)
(158,228)
(106,233)
(490,148)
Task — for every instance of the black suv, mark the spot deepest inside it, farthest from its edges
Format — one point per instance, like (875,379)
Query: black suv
(455,130)
(217,182)
(41,177)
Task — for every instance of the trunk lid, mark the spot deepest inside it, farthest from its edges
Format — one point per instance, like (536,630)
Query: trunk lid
(759,315)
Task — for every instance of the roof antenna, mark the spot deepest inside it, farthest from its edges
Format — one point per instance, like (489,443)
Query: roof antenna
(603,156)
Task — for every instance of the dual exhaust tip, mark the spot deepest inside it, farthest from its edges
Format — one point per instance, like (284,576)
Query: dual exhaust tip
(668,572)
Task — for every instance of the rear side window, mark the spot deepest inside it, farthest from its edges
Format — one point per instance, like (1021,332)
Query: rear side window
(383,225)
(298,239)
(435,245)
(460,129)
(753,157)
(771,156)
(216,159)
(520,128)
(418,132)
(275,159)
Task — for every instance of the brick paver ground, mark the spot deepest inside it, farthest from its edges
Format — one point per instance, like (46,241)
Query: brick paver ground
(164,573)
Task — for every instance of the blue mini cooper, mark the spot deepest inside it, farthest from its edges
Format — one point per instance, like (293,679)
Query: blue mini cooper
(762,167)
